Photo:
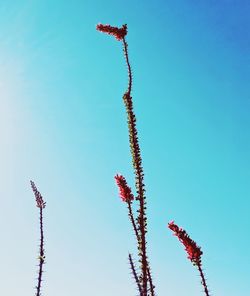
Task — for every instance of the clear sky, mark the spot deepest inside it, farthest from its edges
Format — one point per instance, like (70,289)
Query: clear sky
(63,125)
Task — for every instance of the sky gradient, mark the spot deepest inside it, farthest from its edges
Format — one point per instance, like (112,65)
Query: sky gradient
(63,125)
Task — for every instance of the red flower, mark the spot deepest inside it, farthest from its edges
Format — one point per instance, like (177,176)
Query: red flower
(118,33)
(125,191)
(194,252)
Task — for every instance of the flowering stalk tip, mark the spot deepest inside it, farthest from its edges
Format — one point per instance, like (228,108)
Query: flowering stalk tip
(118,33)
(39,199)
(194,252)
(124,190)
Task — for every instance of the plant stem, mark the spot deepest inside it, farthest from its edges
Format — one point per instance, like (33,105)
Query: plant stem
(138,170)
(151,285)
(131,216)
(125,48)
(134,273)
(40,203)
(41,255)
(203,280)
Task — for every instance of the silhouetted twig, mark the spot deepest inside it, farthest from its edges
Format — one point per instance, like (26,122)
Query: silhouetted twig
(41,205)
(134,273)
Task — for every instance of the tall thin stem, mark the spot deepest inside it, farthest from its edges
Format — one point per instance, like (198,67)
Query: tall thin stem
(137,163)
(131,216)
(141,220)
(41,256)
(41,205)
(138,170)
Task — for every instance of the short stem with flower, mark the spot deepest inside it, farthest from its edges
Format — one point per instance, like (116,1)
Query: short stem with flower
(41,205)
(193,250)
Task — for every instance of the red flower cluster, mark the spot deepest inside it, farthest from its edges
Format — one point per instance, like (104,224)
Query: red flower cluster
(118,33)
(194,252)
(39,199)
(125,191)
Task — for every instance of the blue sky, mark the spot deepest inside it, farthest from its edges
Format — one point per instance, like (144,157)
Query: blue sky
(63,125)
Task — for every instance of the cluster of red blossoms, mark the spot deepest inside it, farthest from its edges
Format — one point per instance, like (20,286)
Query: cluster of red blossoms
(118,33)
(124,191)
(39,199)
(194,252)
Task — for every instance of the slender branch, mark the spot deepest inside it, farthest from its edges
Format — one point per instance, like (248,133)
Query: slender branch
(203,280)
(41,255)
(130,78)
(41,205)
(134,273)
(131,216)
(138,170)
(151,285)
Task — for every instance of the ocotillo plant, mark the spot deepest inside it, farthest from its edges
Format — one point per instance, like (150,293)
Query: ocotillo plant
(194,252)
(144,280)
(41,205)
